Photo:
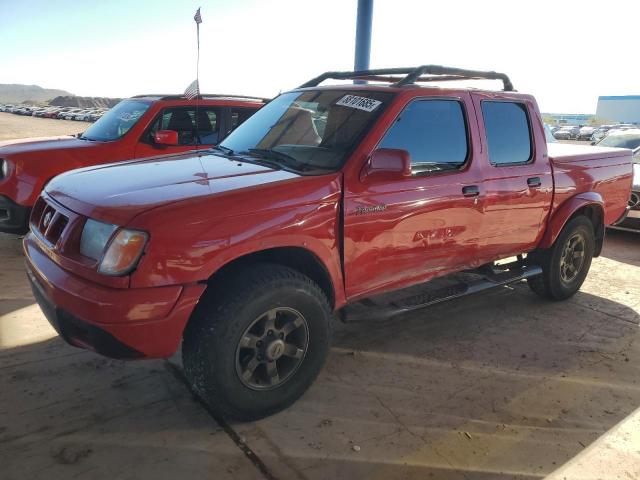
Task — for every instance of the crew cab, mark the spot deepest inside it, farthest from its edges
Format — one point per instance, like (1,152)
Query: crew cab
(331,201)
(142,126)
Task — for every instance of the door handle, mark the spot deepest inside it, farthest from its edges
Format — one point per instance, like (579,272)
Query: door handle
(534,182)
(470,191)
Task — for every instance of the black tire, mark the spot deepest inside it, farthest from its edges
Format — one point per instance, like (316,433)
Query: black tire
(557,281)
(212,352)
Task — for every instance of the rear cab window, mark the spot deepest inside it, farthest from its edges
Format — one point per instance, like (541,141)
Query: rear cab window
(434,132)
(508,132)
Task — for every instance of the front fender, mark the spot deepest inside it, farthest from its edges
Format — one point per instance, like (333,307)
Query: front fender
(562,215)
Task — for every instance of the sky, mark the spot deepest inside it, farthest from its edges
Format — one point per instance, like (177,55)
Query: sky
(566,53)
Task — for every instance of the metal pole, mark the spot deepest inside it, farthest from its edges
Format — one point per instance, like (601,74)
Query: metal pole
(363,35)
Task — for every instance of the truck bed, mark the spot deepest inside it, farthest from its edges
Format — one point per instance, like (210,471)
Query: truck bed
(605,171)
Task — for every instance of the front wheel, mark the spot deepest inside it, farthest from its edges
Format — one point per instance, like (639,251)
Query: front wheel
(566,264)
(257,341)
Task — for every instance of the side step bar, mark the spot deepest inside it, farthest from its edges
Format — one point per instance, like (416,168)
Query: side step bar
(434,292)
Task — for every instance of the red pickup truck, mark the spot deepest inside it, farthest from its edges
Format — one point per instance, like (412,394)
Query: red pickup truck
(358,200)
(138,127)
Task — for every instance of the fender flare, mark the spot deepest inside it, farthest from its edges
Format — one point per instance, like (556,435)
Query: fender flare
(323,256)
(567,210)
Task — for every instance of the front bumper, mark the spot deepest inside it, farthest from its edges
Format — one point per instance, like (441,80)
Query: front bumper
(14,218)
(117,323)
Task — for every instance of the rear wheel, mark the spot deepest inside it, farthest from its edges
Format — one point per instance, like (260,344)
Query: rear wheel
(566,264)
(254,345)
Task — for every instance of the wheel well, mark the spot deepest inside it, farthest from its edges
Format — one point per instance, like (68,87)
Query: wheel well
(595,214)
(297,258)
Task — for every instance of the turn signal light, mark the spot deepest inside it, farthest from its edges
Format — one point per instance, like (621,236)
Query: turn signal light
(123,253)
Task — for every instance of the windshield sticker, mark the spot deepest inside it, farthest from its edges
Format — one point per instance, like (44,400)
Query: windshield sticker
(361,103)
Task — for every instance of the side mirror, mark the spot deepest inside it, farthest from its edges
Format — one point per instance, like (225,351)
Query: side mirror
(387,164)
(593,143)
(166,137)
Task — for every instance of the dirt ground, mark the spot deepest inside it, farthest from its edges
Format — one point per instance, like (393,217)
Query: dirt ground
(19,126)
(498,385)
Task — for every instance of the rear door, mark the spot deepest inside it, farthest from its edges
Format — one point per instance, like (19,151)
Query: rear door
(518,182)
(194,130)
(403,231)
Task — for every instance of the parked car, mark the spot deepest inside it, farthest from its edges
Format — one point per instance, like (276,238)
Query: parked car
(53,113)
(585,133)
(569,132)
(330,198)
(628,139)
(600,132)
(70,114)
(142,126)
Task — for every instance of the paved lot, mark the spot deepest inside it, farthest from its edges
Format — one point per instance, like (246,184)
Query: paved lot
(497,385)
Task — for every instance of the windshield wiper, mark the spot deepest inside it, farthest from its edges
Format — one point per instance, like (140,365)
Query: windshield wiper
(225,150)
(278,158)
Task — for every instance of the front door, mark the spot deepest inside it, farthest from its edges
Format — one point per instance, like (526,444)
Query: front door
(408,230)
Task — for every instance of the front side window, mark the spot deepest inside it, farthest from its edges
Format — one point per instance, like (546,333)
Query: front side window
(204,131)
(308,131)
(117,121)
(433,132)
(508,135)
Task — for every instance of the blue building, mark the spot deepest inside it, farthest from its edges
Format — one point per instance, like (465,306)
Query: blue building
(569,118)
(621,109)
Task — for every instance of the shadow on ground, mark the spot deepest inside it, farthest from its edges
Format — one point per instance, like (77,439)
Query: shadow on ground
(501,385)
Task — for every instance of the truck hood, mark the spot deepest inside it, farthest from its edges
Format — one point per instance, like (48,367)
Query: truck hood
(636,177)
(116,193)
(30,145)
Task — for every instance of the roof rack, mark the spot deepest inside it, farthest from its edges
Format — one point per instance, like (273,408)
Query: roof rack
(167,96)
(407,76)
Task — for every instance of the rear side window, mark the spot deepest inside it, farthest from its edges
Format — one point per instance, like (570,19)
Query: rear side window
(434,133)
(508,134)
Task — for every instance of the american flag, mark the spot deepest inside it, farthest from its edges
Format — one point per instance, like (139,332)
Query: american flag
(197,17)
(192,90)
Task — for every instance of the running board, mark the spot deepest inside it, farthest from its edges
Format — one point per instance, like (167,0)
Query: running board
(435,291)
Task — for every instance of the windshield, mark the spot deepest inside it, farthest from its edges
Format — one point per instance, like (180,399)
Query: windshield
(309,131)
(117,121)
(621,141)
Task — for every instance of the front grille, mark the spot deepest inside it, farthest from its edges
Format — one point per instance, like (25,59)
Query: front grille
(48,222)
(634,201)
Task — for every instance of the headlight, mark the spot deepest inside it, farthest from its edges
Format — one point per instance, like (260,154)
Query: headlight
(123,249)
(95,236)
(4,168)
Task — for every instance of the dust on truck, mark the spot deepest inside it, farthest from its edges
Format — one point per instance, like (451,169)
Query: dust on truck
(397,194)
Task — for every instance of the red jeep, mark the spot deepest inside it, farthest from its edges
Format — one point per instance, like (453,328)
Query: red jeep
(142,126)
(357,199)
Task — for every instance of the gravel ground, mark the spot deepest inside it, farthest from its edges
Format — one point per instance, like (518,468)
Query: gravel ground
(20,126)
(499,385)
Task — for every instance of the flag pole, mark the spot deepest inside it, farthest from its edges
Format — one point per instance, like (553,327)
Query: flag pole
(198,19)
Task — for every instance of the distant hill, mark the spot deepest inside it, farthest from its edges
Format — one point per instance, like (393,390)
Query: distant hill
(16,93)
(84,102)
